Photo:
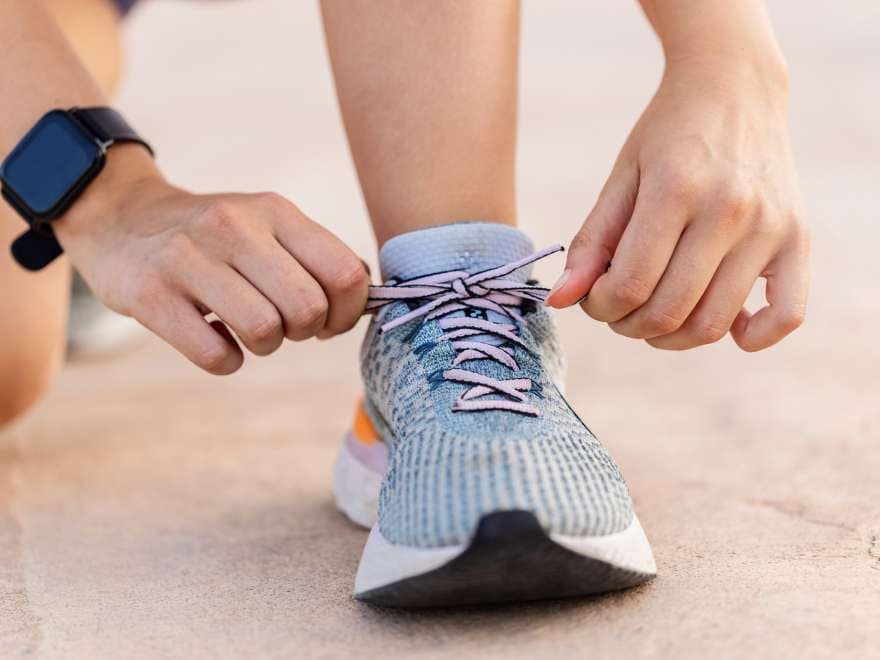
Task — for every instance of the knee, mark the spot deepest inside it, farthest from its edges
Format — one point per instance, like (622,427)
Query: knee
(23,382)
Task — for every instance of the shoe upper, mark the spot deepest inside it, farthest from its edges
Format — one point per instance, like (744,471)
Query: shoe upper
(448,467)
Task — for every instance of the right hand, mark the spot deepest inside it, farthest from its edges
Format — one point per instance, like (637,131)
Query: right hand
(168,258)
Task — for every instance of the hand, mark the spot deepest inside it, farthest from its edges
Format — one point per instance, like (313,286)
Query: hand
(168,258)
(702,201)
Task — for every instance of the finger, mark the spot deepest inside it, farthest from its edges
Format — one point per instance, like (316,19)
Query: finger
(178,322)
(296,295)
(786,292)
(642,256)
(591,249)
(336,268)
(224,291)
(719,307)
(694,262)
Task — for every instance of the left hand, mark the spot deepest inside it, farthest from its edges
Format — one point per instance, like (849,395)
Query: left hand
(702,201)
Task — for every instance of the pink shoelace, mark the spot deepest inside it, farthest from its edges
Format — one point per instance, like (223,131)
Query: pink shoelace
(474,339)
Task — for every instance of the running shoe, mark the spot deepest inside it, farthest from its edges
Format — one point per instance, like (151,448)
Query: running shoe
(479,482)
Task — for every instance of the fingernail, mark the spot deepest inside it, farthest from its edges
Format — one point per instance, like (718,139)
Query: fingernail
(560,282)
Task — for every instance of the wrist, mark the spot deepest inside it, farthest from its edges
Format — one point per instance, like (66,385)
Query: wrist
(128,167)
(731,75)
(732,39)
(769,66)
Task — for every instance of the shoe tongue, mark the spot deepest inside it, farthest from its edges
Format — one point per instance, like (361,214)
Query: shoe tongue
(468,246)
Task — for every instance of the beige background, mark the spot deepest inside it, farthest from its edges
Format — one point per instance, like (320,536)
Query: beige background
(149,510)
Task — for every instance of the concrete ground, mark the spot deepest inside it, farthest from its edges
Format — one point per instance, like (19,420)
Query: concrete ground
(147,510)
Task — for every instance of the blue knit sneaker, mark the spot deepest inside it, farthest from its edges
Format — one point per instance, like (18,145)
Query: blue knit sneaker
(490,488)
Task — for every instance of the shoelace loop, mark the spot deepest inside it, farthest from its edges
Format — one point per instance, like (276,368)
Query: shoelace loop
(454,291)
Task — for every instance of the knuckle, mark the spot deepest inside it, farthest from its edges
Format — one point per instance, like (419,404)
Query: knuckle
(309,318)
(766,226)
(264,328)
(313,313)
(781,226)
(735,197)
(583,239)
(631,291)
(660,322)
(219,217)
(349,276)
(276,202)
(792,318)
(682,184)
(586,240)
(710,329)
(212,358)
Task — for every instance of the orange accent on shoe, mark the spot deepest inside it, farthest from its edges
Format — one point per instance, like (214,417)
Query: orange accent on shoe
(363,428)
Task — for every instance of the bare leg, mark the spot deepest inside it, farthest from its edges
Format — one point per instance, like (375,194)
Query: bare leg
(428,95)
(33,306)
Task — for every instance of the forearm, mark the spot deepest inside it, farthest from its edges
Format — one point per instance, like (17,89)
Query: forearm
(737,33)
(40,70)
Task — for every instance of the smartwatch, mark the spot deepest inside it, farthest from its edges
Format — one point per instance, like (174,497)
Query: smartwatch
(51,167)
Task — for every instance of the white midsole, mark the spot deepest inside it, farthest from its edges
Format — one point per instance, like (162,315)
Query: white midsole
(356,487)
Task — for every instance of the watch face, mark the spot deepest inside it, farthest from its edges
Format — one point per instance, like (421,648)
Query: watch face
(51,164)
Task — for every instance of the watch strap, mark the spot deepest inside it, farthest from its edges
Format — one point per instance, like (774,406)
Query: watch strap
(108,126)
(36,249)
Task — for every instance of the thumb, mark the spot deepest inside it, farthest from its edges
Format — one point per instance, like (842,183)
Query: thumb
(593,246)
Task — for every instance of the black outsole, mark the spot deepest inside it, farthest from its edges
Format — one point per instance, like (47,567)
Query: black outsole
(509,559)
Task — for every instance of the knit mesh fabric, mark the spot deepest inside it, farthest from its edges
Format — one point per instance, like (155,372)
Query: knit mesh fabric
(447,469)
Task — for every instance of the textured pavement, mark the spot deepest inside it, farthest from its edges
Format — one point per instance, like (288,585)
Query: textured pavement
(147,510)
